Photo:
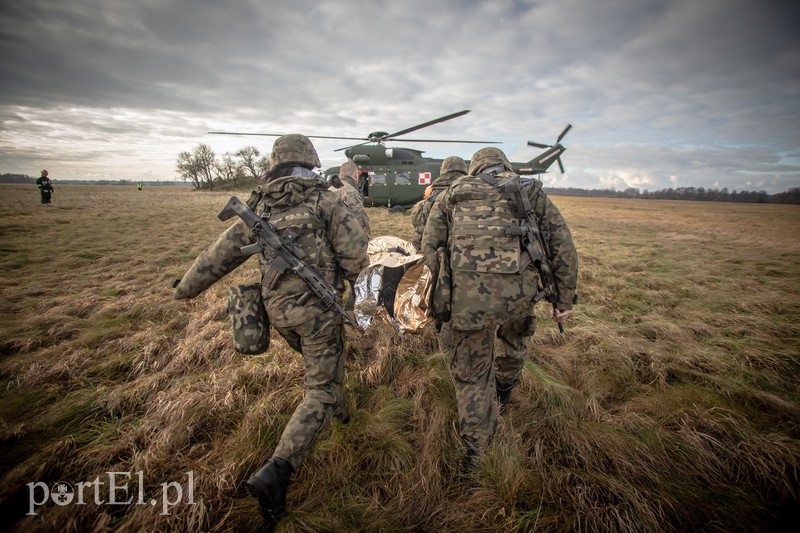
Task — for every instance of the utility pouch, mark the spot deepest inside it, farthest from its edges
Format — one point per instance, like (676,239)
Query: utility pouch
(527,326)
(441,296)
(249,320)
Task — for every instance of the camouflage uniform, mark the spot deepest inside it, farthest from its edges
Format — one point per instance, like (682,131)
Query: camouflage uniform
(452,168)
(331,235)
(347,190)
(301,207)
(490,296)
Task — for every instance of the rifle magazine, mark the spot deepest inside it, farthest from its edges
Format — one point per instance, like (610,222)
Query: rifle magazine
(270,277)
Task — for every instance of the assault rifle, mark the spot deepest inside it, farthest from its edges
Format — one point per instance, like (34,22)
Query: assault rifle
(536,242)
(282,255)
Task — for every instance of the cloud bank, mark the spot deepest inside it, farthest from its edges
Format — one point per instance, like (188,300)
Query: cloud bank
(661,93)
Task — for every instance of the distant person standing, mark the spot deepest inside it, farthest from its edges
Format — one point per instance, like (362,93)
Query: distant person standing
(45,187)
(139,185)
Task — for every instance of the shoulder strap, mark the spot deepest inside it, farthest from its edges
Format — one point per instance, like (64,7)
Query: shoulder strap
(255,197)
(511,191)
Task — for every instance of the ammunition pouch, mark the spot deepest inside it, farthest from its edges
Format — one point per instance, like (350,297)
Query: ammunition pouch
(249,320)
(526,326)
(441,294)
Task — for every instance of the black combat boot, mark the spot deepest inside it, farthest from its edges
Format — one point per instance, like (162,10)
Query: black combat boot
(470,462)
(503,394)
(343,416)
(269,485)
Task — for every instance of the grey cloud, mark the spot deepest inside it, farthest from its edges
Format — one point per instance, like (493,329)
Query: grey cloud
(657,90)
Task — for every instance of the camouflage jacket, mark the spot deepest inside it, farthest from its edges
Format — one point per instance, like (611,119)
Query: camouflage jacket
(353,200)
(419,213)
(469,220)
(324,228)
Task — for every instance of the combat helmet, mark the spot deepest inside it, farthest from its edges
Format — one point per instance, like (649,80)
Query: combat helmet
(293,149)
(347,172)
(453,164)
(44,172)
(488,157)
(348,169)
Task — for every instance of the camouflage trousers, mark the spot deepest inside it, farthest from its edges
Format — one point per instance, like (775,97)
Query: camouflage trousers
(321,342)
(477,370)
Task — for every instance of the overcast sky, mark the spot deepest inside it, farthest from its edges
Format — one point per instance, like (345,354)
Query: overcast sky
(661,93)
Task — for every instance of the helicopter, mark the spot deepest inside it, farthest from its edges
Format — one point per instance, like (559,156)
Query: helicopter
(397,177)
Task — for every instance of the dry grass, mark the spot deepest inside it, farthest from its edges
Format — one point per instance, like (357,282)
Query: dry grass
(672,402)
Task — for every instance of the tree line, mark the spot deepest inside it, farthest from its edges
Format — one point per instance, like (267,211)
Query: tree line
(24,178)
(203,170)
(698,194)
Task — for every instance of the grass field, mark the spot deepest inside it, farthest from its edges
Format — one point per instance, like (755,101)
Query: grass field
(672,402)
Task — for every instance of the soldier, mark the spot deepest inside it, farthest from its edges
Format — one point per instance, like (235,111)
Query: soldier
(297,202)
(452,168)
(45,187)
(346,186)
(300,206)
(492,284)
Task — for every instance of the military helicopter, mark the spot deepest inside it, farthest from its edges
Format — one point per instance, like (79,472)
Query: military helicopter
(397,177)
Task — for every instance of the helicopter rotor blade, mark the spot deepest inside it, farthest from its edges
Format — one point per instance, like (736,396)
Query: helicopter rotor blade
(242,133)
(569,127)
(538,145)
(352,146)
(332,137)
(426,124)
(374,139)
(440,141)
(561,166)
(282,134)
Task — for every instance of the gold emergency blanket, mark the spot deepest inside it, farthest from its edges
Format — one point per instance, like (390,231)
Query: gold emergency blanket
(390,248)
(394,286)
(411,299)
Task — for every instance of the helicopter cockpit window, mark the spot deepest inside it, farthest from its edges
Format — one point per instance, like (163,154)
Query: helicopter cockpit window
(378,179)
(402,178)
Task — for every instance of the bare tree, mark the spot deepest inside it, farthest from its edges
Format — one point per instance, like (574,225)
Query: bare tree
(263,165)
(187,169)
(249,161)
(206,161)
(198,166)
(201,167)
(229,170)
